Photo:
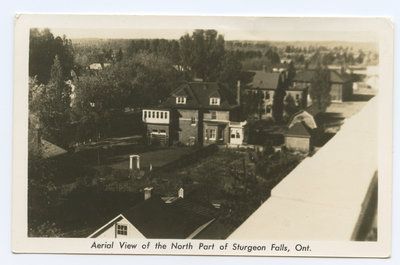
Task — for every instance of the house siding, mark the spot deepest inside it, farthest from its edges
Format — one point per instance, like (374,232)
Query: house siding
(297,143)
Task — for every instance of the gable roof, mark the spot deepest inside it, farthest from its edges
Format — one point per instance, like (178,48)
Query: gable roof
(198,96)
(156,219)
(265,80)
(50,150)
(302,116)
(299,130)
(334,76)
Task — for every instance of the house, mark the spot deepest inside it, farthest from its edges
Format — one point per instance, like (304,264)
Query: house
(195,113)
(176,218)
(266,84)
(341,84)
(300,131)
(297,138)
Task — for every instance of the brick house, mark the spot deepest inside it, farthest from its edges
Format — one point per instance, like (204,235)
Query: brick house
(195,113)
(266,84)
(341,84)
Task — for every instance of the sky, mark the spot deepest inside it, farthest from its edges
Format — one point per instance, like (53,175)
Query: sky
(260,35)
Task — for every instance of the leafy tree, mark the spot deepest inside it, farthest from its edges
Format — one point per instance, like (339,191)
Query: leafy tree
(272,56)
(290,106)
(51,105)
(231,71)
(203,53)
(43,47)
(320,88)
(291,72)
(119,56)
(277,104)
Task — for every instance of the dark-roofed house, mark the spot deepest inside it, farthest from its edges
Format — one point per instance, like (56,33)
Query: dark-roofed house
(194,113)
(266,84)
(341,84)
(155,218)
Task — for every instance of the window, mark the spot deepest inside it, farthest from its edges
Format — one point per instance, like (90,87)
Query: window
(145,114)
(122,230)
(268,109)
(166,115)
(152,114)
(157,114)
(267,96)
(162,115)
(213,115)
(213,134)
(193,120)
(297,96)
(214,101)
(180,100)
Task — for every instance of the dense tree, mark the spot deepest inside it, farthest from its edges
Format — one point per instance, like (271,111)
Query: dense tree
(272,56)
(320,88)
(119,56)
(43,47)
(50,103)
(277,104)
(290,106)
(140,81)
(203,53)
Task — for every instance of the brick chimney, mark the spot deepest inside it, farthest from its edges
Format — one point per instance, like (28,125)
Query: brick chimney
(180,193)
(148,192)
(238,92)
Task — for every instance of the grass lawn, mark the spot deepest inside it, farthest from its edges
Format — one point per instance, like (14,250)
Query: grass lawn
(156,158)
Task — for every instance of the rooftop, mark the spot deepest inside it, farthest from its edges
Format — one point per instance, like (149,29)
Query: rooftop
(156,219)
(198,96)
(334,76)
(265,80)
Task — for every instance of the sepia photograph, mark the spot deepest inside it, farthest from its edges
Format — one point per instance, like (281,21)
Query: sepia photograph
(237,131)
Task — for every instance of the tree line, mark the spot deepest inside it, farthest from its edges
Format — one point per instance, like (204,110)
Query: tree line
(73,103)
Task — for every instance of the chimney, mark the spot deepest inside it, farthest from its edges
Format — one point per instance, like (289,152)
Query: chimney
(147,192)
(238,92)
(180,193)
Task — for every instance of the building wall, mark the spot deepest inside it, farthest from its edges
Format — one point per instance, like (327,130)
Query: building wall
(152,130)
(221,130)
(221,115)
(188,126)
(336,93)
(297,143)
(301,85)
(132,231)
(347,91)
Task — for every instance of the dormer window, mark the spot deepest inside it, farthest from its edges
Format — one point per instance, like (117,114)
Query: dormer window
(214,101)
(180,100)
